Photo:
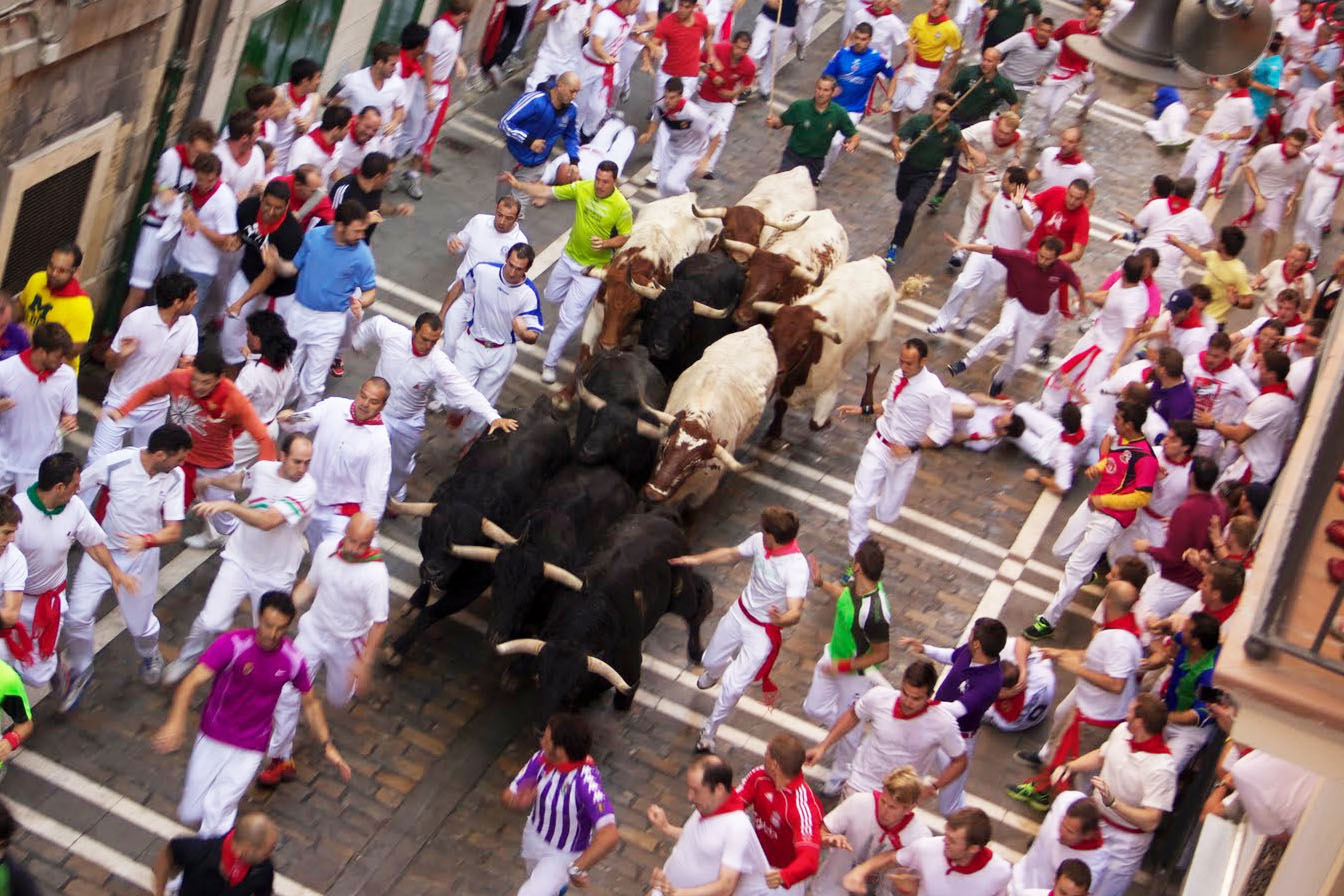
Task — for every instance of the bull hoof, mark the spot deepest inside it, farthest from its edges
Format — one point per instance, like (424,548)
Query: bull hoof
(391,658)
(812,425)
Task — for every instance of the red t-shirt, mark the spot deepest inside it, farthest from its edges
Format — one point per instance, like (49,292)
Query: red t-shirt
(787,822)
(1071,226)
(683,44)
(1068,59)
(213,421)
(717,85)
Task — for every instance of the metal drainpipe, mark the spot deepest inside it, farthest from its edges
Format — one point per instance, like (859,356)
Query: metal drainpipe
(174,73)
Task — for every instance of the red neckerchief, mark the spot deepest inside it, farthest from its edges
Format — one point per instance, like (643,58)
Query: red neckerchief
(673,110)
(783,550)
(214,402)
(198,200)
(1093,842)
(980,861)
(182,155)
(1306,268)
(233,868)
(419,354)
(1236,94)
(893,833)
(350,132)
(565,768)
(1011,707)
(1153,744)
(375,420)
(900,387)
(898,713)
(410,66)
(1073,438)
(874,13)
(1277,389)
(732,804)
(1203,362)
(264,229)
(1125,623)
(1283,150)
(1176,204)
(68,291)
(447,17)
(372,555)
(1013,138)
(1075,159)
(932,21)
(294,97)
(1037,41)
(1295,322)
(1226,612)
(27,357)
(321,141)
(1192,321)
(276,367)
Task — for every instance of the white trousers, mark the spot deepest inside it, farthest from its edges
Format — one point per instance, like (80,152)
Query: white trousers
(808,11)
(1125,852)
(1145,527)
(973,219)
(674,178)
(319,335)
(547,867)
(837,143)
(87,588)
(768,43)
(484,367)
(150,254)
(1161,597)
(405,438)
(110,435)
(550,63)
(1316,208)
(1083,541)
(232,585)
(570,287)
(829,695)
(319,649)
(1200,161)
(37,673)
(880,486)
(218,775)
(1184,741)
(736,652)
(597,85)
(975,287)
(1050,98)
(1169,127)
(233,333)
(722,115)
(454,325)
(953,795)
(1088,373)
(1016,323)
(913,86)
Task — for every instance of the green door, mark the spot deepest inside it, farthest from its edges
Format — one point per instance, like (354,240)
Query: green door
(392,17)
(293,30)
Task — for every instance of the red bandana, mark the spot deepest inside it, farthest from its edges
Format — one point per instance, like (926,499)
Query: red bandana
(199,199)
(1306,268)
(447,17)
(893,833)
(1240,93)
(182,155)
(875,14)
(1203,362)
(27,357)
(1125,623)
(410,65)
(375,420)
(1073,438)
(1075,159)
(1277,389)
(1176,204)
(1192,321)
(897,712)
(673,110)
(732,804)
(980,861)
(1153,744)
(1093,842)
(233,868)
(294,97)
(322,144)
(264,229)
(565,768)
(1295,322)
(419,354)
(68,291)
(1011,707)
(932,21)
(783,550)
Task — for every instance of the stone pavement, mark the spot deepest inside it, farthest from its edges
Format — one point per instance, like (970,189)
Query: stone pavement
(436,740)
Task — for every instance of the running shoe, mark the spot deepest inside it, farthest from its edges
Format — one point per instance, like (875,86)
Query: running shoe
(279,770)
(1039,629)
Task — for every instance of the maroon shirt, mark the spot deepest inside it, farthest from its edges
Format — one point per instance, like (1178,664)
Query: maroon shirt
(1030,285)
(1188,528)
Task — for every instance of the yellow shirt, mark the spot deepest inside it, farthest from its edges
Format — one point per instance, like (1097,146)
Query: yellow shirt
(73,311)
(933,42)
(1227,279)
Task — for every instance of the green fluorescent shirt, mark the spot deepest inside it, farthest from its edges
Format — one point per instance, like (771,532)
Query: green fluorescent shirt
(928,154)
(813,130)
(13,697)
(986,96)
(1011,19)
(594,217)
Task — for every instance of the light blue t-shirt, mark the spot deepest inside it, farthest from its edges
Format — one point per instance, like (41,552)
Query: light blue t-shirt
(329,273)
(1327,59)
(1267,71)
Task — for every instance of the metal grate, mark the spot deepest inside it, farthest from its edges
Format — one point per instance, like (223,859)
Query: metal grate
(49,214)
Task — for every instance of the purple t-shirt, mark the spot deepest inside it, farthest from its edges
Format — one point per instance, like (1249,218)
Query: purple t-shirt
(570,803)
(247,684)
(13,339)
(976,687)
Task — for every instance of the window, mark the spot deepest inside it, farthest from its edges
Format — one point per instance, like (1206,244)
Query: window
(37,229)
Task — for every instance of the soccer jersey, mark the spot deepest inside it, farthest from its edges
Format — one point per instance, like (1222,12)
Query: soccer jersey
(493,303)
(212,421)
(351,594)
(29,431)
(855,74)
(594,216)
(570,803)
(787,822)
(68,306)
(933,39)
(893,740)
(138,503)
(246,687)
(46,535)
(689,128)
(273,553)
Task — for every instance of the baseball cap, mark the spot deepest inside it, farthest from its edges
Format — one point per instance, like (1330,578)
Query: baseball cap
(1181,300)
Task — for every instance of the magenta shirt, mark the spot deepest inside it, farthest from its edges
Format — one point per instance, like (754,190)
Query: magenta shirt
(247,684)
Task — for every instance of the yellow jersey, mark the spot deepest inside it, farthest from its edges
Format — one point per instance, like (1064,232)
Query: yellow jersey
(934,41)
(70,307)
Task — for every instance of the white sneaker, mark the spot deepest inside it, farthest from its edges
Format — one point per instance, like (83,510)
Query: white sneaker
(175,672)
(548,375)
(705,744)
(706,681)
(207,539)
(151,669)
(834,784)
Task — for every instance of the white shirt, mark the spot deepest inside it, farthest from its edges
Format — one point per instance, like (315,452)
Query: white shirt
(922,408)
(265,387)
(482,242)
(856,818)
(1003,223)
(45,540)
(1037,868)
(1125,309)
(1169,490)
(937,879)
(612,29)
(29,430)
(707,845)
(977,429)
(1329,151)
(273,554)
(1278,176)
(358,91)
(1224,394)
(138,503)
(1299,44)
(889,32)
(287,128)
(352,462)
(157,353)
(14,570)
(1055,173)
(1230,114)
(1189,225)
(1041,682)
(1136,778)
(564,32)
(305,151)
(172,174)
(1024,61)
(445,45)
(351,598)
(1298,374)
(981,136)
(891,742)
(1274,418)
(1115,653)
(773,580)
(349,154)
(412,376)
(493,303)
(220,213)
(240,178)
(1043,441)
(1273,791)
(1275,282)
(689,130)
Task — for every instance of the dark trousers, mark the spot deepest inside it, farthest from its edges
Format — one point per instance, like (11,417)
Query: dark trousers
(912,188)
(791,160)
(514,16)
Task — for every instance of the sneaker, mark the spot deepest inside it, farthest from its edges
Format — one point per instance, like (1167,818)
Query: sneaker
(652,179)
(151,669)
(175,672)
(1043,355)
(337,367)
(1028,758)
(75,689)
(934,329)
(279,770)
(207,539)
(956,368)
(705,744)
(548,375)
(413,188)
(960,326)
(955,262)
(1038,630)
(995,388)
(893,254)
(706,681)
(936,202)
(1027,793)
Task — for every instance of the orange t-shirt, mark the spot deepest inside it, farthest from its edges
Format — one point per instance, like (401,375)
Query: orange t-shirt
(213,421)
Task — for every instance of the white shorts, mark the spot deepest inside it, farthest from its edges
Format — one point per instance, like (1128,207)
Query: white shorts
(913,92)
(150,255)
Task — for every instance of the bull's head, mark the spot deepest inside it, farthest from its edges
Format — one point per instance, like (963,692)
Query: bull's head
(688,446)
(744,224)
(448,526)
(669,319)
(772,277)
(563,670)
(797,332)
(521,572)
(612,422)
(626,283)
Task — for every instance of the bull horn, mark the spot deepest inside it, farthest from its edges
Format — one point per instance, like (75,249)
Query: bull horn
(825,329)
(562,576)
(804,272)
(496,533)
(786,226)
(738,246)
(726,458)
(598,667)
(648,292)
(649,431)
(598,270)
(703,310)
(520,645)
(594,403)
(767,307)
(658,414)
(474,552)
(716,212)
(411,508)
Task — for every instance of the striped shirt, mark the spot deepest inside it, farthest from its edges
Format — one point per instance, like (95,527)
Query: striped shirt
(570,803)
(787,822)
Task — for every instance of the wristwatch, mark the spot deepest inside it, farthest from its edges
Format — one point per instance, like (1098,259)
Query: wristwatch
(575,872)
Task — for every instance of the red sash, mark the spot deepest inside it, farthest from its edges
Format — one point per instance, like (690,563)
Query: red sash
(1068,750)
(769,690)
(46,626)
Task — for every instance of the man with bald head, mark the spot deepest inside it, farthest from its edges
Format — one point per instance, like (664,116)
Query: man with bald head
(238,863)
(347,585)
(531,128)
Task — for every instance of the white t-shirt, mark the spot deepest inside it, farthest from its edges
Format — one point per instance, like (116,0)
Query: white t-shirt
(1299,44)
(612,29)
(1170,488)
(1024,60)
(936,877)
(891,742)
(1040,691)
(1223,393)
(1115,653)
(856,818)
(265,387)
(273,554)
(1230,114)
(493,303)
(482,242)
(1037,868)
(240,178)
(412,376)
(358,91)
(349,154)
(14,571)
(1273,416)
(352,462)
(286,129)
(220,213)
(1125,309)
(1278,176)
(708,844)
(29,430)
(160,348)
(306,151)
(1003,224)
(138,504)
(1055,173)
(1275,283)
(889,32)
(774,580)
(351,598)
(1043,441)
(1189,225)
(45,540)
(1298,374)
(1273,791)
(977,429)
(981,136)
(1137,778)
(688,130)
(564,33)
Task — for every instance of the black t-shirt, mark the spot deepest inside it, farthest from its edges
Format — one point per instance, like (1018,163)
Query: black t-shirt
(348,188)
(286,239)
(199,860)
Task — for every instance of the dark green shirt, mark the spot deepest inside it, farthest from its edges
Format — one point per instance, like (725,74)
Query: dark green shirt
(927,154)
(1011,19)
(984,98)
(813,130)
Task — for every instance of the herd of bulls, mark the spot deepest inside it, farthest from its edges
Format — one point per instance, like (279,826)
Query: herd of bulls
(573,536)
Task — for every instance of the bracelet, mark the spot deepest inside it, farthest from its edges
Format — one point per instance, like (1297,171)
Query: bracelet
(150,541)
(845,666)
(13,740)
(867,410)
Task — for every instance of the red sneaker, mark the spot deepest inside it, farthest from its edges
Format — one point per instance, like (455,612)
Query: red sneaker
(338,367)
(279,770)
